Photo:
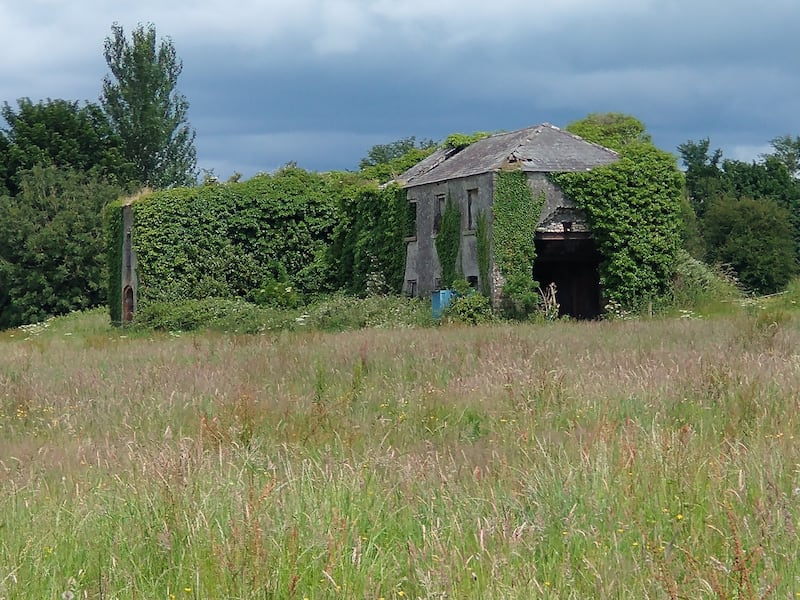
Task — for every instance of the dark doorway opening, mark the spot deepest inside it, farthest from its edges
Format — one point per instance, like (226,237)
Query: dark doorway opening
(127,304)
(570,260)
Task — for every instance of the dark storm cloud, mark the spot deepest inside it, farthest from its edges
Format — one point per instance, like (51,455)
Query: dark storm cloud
(320,81)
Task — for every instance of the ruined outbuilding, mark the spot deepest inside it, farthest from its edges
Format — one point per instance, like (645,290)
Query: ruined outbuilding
(566,253)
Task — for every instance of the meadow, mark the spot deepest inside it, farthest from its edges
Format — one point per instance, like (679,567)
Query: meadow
(653,458)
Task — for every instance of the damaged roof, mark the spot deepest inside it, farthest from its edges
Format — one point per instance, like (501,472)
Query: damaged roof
(543,148)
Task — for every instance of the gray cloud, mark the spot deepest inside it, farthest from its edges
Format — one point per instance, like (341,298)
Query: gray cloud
(320,81)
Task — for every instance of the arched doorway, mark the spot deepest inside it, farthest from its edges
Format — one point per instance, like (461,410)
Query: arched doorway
(127,304)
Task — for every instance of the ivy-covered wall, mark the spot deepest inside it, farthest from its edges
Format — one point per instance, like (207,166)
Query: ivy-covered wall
(634,210)
(315,232)
(471,197)
(226,240)
(368,251)
(112,218)
(448,243)
(516,212)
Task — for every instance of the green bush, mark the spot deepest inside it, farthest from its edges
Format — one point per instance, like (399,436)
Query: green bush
(341,312)
(696,284)
(337,312)
(755,237)
(472,309)
(224,314)
(51,245)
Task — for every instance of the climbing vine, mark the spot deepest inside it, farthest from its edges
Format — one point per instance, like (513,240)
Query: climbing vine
(483,251)
(634,211)
(516,213)
(112,217)
(225,240)
(448,242)
(367,244)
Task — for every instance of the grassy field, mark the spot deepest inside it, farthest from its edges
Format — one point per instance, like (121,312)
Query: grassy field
(619,459)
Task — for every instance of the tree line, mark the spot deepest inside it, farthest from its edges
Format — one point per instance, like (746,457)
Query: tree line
(745,215)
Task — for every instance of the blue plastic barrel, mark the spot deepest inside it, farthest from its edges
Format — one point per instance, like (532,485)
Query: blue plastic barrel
(440,300)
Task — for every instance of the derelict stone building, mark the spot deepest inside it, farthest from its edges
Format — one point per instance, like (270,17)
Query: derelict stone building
(565,251)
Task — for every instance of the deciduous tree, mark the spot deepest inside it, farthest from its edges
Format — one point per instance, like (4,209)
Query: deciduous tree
(145,108)
(52,257)
(787,149)
(755,238)
(61,133)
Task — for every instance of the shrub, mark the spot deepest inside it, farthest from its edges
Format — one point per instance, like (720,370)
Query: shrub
(473,308)
(696,283)
(340,312)
(337,312)
(755,237)
(222,314)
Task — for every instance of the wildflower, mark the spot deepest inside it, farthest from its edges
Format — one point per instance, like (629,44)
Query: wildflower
(679,517)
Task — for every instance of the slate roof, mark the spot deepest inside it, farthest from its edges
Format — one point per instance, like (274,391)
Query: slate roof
(543,148)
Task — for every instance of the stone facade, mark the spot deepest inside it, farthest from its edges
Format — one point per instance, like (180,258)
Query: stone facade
(474,195)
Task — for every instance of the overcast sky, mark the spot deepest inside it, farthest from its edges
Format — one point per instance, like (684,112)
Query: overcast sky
(321,81)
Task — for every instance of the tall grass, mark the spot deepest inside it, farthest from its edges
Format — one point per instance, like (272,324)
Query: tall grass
(623,459)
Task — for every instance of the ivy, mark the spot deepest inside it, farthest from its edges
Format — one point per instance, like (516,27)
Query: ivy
(448,242)
(634,211)
(516,213)
(112,218)
(368,251)
(483,251)
(228,240)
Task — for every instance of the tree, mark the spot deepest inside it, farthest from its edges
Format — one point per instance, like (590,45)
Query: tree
(384,162)
(381,154)
(52,258)
(703,173)
(787,150)
(145,110)
(60,133)
(612,130)
(755,238)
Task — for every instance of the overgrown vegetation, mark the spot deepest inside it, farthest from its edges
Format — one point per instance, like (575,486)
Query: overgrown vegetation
(586,460)
(367,250)
(459,141)
(515,213)
(448,243)
(468,306)
(634,211)
(336,312)
(52,257)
